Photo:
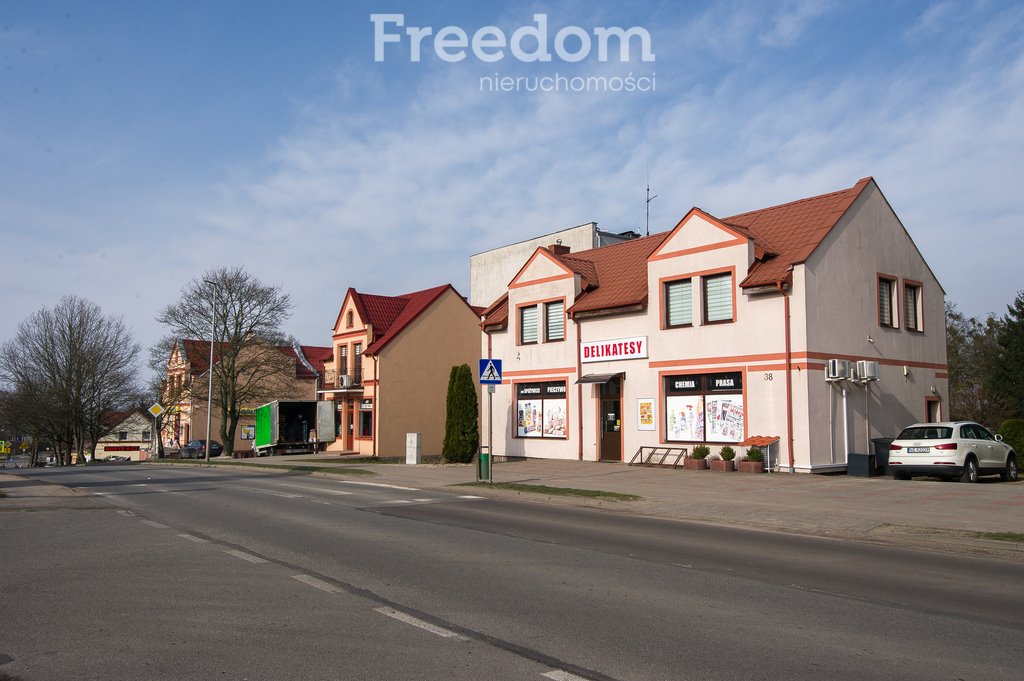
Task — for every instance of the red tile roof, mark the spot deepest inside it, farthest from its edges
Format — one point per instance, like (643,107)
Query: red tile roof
(615,277)
(790,232)
(317,355)
(389,315)
(496,314)
(760,441)
(197,353)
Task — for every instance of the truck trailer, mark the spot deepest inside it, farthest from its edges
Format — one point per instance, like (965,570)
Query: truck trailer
(293,426)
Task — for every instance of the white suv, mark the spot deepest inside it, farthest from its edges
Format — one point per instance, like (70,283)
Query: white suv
(957,449)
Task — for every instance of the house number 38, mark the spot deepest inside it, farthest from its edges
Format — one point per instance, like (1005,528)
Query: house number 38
(769,376)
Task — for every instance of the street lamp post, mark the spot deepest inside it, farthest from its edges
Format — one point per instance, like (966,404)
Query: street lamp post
(209,390)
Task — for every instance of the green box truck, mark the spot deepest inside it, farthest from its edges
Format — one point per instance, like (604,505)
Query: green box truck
(293,426)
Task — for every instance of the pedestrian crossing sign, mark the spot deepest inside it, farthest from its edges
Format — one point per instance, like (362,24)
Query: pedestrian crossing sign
(490,371)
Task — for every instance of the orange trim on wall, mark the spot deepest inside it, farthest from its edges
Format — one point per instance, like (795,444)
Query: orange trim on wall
(880,360)
(698,249)
(941,374)
(540,372)
(689,372)
(781,356)
(919,312)
(515,423)
(516,283)
(349,334)
(543,280)
(711,219)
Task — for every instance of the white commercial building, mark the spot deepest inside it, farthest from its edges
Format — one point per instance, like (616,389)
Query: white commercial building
(721,330)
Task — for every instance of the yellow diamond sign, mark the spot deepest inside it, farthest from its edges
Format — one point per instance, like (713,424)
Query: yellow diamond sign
(157,409)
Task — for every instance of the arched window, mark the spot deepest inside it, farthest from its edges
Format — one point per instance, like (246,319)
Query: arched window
(349,322)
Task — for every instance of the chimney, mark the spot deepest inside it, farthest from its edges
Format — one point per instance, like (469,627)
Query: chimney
(558,249)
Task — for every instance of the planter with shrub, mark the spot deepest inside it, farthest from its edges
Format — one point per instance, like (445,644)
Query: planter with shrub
(754,463)
(726,463)
(698,460)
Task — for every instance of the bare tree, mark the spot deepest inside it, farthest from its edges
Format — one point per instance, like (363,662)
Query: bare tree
(66,368)
(248,367)
(972,354)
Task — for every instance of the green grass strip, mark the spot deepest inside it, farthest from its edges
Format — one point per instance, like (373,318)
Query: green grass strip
(554,491)
(1015,537)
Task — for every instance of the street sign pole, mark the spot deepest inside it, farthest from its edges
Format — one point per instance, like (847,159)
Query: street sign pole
(490,375)
(490,433)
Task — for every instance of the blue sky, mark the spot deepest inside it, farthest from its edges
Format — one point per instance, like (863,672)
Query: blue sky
(143,143)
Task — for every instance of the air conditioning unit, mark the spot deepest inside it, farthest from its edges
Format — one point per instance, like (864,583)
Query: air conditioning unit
(838,370)
(346,381)
(867,370)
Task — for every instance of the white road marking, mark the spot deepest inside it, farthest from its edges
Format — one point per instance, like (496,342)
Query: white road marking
(469,496)
(285,495)
(153,523)
(426,626)
(244,556)
(103,494)
(319,584)
(377,484)
(127,514)
(310,488)
(427,501)
(191,537)
(140,484)
(562,675)
(321,502)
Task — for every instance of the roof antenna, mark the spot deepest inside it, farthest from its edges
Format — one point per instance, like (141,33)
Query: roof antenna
(649,199)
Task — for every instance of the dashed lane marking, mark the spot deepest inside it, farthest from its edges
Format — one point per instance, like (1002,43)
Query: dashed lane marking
(416,622)
(192,537)
(310,488)
(127,514)
(469,496)
(244,556)
(319,584)
(377,484)
(153,523)
(561,675)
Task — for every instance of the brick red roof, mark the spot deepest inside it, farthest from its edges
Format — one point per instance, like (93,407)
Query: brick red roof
(760,441)
(615,277)
(790,232)
(497,313)
(390,315)
(317,355)
(197,353)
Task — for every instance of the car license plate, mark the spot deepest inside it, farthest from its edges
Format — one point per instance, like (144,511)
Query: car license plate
(918,450)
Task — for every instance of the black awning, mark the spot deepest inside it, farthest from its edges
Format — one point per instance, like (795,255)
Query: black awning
(598,378)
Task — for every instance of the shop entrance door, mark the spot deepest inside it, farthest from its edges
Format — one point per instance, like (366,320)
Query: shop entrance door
(350,424)
(611,420)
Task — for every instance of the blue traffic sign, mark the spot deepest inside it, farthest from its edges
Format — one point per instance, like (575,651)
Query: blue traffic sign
(490,372)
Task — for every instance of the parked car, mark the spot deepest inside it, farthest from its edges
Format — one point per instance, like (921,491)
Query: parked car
(196,449)
(960,450)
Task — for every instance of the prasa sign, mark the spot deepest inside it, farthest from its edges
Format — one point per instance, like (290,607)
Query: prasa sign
(619,348)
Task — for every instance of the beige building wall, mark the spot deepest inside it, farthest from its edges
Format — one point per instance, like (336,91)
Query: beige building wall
(413,372)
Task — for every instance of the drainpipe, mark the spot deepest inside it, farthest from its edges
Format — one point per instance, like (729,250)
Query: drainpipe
(579,392)
(846,428)
(789,377)
(376,405)
(831,424)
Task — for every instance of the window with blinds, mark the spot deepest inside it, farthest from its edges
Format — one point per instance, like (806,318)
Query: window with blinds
(718,298)
(885,306)
(528,324)
(679,303)
(554,322)
(911,307)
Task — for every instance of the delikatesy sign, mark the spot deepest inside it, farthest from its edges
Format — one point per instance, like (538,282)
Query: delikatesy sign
(619,348)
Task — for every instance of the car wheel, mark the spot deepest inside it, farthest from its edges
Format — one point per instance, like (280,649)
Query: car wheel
(970,473)
(1009,473)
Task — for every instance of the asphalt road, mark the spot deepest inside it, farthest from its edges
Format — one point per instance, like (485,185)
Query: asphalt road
(208,573)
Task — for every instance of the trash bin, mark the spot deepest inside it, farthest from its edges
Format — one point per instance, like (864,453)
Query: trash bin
(881,446)
(485,466)
(860,465)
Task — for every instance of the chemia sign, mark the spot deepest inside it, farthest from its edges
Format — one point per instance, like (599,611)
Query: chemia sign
(619,348)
